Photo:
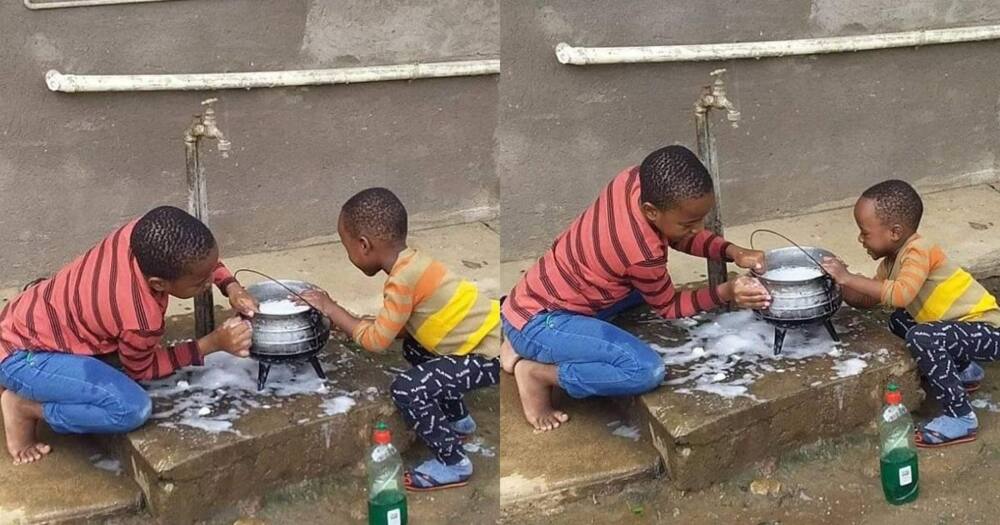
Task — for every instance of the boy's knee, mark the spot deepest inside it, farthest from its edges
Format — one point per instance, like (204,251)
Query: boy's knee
(655,376)
(649,376)
(135,412)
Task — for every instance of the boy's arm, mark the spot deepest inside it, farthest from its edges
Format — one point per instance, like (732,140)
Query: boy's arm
(222,278)
(896,293)
(859,300)
(656,287)
(144,357)
(239,298)
(374,335)
(706,244)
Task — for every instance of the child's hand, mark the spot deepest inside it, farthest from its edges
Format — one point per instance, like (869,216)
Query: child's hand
(747,259)
(836,268)
(241,300)
(318,299)
(234,336)
(749,293)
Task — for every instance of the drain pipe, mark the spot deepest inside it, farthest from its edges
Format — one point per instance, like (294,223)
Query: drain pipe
(713,97)
(585,56)
(203,127)
(34,6)
(60,82)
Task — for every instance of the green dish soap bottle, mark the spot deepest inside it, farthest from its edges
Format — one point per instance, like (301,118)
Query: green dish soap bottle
(898,453)
(386,493)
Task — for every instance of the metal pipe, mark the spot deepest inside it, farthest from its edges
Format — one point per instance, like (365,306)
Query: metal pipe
(203,126)
(34,6)
(57,81)
(713,97)
(583,56)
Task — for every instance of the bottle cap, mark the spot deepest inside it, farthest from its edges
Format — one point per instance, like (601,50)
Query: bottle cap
(381,435)
(893,396)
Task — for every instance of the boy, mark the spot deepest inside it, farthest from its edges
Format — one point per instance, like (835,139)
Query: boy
(947,319)
(613,257)
(111,299)
(452,332)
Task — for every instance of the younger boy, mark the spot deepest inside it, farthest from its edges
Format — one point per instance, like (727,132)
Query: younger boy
(613,257)
(112,299)
(452,332)
(947,319)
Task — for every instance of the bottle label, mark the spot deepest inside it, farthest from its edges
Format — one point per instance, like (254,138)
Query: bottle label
(394,517)
(905,476)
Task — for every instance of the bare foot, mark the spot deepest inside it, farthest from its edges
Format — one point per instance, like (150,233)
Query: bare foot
(20,416)
(508,357)
(534,384)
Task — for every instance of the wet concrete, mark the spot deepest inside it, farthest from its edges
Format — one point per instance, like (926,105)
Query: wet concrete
(705,438)
(67,487)
(187,473)
(830,482)
(581,458)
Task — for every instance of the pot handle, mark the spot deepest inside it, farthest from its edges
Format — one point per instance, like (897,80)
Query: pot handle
(807,254)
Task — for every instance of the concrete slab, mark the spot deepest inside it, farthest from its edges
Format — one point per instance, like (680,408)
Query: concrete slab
(78,481)
(583,457)
(188,473)
(705,438)
(964,219)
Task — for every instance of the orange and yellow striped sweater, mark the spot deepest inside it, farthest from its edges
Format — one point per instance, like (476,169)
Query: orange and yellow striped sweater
(932,288)
(446,314)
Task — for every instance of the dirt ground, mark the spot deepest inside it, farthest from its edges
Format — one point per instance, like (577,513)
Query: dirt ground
(831,482)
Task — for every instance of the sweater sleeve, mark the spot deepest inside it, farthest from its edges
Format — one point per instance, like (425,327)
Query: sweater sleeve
(144,358)
(705,244)
(913,271)
(397,305)
(658,290)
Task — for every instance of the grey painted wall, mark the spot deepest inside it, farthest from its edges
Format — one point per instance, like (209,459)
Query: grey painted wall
(74,166)
(814,129)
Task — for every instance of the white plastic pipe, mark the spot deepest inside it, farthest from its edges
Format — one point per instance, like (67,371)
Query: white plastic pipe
(582,56)
(267,79)
(82,3)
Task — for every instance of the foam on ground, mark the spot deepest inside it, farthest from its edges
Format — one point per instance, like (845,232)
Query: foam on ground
(213,396)
(725,353)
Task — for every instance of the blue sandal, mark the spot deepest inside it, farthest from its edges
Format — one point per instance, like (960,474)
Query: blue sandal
(433,475)
(944,431)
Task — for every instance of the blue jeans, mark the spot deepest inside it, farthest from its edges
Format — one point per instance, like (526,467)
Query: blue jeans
(594,357)
(78,394)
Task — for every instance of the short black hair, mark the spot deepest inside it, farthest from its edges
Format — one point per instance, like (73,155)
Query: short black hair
(673,174)
(375,213)
(167,240)
(896,202)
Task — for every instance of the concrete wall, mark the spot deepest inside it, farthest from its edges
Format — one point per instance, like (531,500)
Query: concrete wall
(74,166)
(815,130)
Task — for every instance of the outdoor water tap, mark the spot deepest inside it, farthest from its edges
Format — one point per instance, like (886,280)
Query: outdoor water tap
(714,97)
(205,126)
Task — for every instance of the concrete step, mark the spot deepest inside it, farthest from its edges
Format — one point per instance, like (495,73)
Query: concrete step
(77,482)
(705,438)
(188,473)
(582,457)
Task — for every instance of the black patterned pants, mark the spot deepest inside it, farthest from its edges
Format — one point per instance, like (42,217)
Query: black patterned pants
(429,395)
(942,350)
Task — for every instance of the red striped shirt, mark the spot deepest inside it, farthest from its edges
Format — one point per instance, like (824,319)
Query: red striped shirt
(608,251)
(99,304)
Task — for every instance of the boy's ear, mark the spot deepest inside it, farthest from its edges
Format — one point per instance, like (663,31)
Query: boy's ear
(158,284)
(366,244)
(651,212)
(896,232)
